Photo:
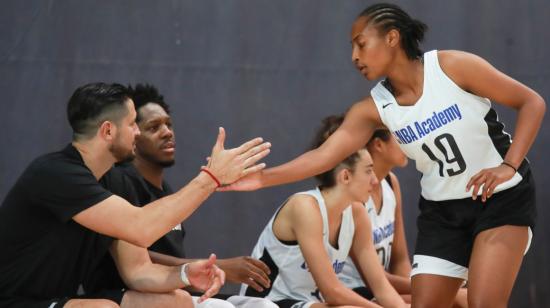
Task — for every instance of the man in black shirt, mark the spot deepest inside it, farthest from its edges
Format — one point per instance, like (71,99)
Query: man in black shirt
(58,222)
(155,151)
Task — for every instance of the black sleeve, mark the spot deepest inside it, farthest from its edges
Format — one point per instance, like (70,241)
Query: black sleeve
(117,182)
(64,188)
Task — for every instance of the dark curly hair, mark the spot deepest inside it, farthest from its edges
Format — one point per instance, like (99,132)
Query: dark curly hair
(142,94)
(386,16)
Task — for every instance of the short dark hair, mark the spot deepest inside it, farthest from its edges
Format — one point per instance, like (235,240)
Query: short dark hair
(143,94)
(381,133)
(386,16)
(92,104)
(329,125)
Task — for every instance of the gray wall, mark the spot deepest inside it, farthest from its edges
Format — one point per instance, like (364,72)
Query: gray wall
(258,68)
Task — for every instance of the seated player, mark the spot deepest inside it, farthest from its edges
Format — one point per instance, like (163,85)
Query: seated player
(308,240)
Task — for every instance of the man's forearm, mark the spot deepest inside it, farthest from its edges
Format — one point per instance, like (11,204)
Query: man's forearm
(159,217)
(156,278)
(160,258)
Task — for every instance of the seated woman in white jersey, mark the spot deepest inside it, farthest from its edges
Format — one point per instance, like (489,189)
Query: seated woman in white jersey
(308,240)
(384,208)
(477,205)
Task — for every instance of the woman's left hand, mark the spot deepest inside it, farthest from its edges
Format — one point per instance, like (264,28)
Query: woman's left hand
(488,179)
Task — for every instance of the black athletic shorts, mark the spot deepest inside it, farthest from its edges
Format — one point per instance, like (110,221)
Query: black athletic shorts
(18,302)
(447,229)
(365,292)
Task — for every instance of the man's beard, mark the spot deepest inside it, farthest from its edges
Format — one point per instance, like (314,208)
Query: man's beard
(167,163)
(152,159)
(121,154)
(160,163)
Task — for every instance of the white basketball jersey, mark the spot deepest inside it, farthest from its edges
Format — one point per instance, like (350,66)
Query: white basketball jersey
(450,133)
(382,224)
(292,279)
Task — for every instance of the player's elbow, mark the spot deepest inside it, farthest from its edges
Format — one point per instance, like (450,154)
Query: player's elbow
(542,104)
(536,104)
(334,295)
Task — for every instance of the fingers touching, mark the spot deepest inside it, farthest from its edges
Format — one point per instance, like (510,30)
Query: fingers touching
(486,181)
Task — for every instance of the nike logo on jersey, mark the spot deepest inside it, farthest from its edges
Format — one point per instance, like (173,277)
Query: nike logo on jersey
(415,265)
(384,106)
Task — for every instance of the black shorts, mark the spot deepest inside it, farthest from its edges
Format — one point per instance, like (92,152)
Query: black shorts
(20,302)
(447,229)
(365,292)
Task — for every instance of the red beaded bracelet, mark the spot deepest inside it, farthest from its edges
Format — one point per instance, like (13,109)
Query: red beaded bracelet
(212,176)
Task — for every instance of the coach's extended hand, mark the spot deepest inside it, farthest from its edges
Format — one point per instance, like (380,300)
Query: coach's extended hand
(230,165)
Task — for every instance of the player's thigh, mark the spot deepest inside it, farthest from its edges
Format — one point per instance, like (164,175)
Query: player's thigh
(434,290)
(496,258)
(176,298)
(90,303)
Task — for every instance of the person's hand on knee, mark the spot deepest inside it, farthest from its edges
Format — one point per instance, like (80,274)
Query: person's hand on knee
(247,270)
(205,276)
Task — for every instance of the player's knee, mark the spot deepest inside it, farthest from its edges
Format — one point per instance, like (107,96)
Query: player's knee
(268,304)
(424,304)
(487,303)
(181,299)
(265,303)
(105,303)
(216,303)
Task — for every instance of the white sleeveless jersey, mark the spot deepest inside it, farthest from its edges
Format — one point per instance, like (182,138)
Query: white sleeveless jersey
(382,234)
(290,276)
(450,133)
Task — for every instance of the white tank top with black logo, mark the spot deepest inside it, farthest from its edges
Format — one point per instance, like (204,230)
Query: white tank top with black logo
(450,133)
(382,224)
(290,276)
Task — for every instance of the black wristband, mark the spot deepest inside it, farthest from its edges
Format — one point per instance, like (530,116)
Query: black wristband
(509,165)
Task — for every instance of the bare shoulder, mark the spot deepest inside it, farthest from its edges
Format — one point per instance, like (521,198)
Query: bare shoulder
(393,178)
(300,206)
(358,209)
(360,217)
(300,215)
(364,105)
(364,110)
(455,57)
(460,66)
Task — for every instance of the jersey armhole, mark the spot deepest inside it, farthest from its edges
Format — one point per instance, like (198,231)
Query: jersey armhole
(388,179)
(446,78)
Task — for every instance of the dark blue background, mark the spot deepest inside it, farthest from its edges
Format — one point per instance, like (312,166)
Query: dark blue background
(259,68)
